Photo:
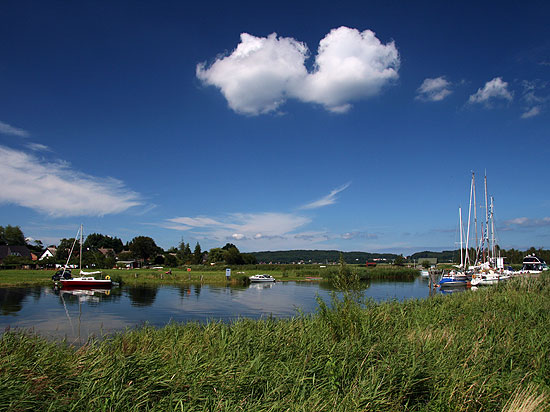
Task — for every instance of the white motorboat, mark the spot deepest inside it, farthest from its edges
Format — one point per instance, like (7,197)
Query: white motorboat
(424,273)
(533,264)
(262,278)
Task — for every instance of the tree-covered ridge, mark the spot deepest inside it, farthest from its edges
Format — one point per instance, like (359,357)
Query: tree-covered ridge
(321,256)
(444,256)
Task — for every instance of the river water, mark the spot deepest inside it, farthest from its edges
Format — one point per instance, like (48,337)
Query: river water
(76,315)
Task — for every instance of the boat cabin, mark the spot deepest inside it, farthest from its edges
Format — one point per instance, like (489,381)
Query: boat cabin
(532,263)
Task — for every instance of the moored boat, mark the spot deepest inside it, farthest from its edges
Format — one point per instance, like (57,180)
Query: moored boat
(64,275)
(533,264)
(262,278)
(454,279)
(489,278)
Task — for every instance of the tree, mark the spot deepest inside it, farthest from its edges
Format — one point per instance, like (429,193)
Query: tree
(249,259)
(399,260)
(170,260)
(13,236)
(216,255)
(64,248)
(97,240)
(197,254)
(425,264)
(144,247)
(233,256)
(184,254)
(229,246)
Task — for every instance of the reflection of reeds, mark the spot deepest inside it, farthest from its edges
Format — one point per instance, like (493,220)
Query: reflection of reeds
(482,350)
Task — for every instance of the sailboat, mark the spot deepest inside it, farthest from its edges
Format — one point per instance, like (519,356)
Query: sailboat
(490,269)
(456,277)
(86,279)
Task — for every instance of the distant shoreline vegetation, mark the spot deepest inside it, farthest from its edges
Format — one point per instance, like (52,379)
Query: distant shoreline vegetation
(105,252)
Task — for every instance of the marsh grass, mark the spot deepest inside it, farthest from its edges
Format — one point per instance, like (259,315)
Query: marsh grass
(485,350)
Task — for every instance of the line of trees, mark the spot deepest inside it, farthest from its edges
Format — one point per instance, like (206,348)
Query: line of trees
(144,249)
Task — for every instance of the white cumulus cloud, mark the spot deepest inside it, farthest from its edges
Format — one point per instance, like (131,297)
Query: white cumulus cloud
(7,129)
(57,189)
(495,89)
(434,90)
(263,72)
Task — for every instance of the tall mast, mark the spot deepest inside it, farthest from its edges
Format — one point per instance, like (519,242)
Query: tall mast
(475,214)
(486,235)
(467,260)
(460,224)
(80,265)
(493,246)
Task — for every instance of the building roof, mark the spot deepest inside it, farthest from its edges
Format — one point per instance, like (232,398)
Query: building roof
(22,251)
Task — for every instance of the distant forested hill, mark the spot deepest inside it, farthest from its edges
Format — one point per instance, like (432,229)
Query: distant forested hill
(319,256)
(445,256)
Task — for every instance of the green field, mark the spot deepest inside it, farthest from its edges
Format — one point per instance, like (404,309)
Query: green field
(483,350)
(211,274)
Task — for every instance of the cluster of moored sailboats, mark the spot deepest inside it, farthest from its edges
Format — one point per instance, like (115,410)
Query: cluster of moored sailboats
(487,266)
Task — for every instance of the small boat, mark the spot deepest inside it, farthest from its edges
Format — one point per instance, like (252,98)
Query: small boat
(425,273)
(454,279)
(85,279)
(262,278)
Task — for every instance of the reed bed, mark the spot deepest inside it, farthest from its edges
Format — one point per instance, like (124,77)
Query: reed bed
(480,350)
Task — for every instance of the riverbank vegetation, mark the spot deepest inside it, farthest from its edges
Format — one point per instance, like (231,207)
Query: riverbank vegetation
(216,274)
(487,349)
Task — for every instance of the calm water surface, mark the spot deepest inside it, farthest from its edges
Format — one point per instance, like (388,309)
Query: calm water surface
(76,315)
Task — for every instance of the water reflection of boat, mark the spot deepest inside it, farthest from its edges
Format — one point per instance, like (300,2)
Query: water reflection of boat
(261,285)
(262,278)
(453,289)
(86,294)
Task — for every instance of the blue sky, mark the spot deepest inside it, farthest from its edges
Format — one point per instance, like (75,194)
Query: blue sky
(354,127)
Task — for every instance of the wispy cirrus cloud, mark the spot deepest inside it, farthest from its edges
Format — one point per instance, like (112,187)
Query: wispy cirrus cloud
(57,189)
(263,72)
(533,100)
(11,130)
(358,235)
(329,199)
(434,90)
(259,228)
(494,90)
(38,147)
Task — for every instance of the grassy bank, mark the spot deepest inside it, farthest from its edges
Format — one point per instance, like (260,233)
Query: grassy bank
(478,350)
(212,274)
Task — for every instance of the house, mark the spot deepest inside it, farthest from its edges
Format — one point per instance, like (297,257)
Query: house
(48,253)
(127,264)
(107,251)
(22,251)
